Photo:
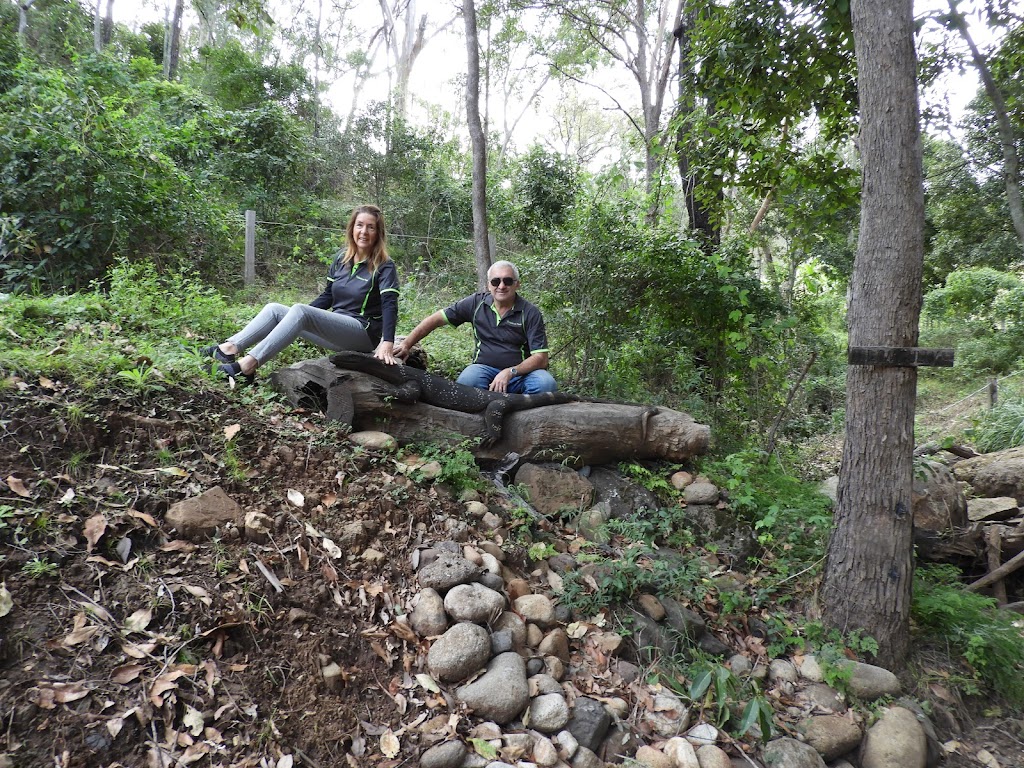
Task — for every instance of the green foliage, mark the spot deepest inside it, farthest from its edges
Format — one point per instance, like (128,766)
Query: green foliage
(648,315)
(654,482)
(541,194)
(792,518)
(979,309)
(665,526)
(638,568)
(146,300)
(86,171)
(39,568)
(999,428)
(967,222)
(970,293)
(140,382)
(719,694)
(970,624)
(459,469)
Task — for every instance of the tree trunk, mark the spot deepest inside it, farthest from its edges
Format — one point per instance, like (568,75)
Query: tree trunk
(97,27)
(1007,140)
(108,23)
(481,250)
(869,564)
(23,18)
(173,48)
(698,214)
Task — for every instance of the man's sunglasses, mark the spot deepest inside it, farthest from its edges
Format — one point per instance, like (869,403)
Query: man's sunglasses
(496,281)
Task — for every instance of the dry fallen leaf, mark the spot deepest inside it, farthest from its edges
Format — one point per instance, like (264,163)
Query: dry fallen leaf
(296,499)
(127,673)
(333,549)
(403,631)
(178,545)
(68,497)
(389,744)
(138,650)
(17,486)
(145,517)
(230,431)
(162,684)
(48,695)
(428,682)
(6,601)
(138,621)
(193,720)
(80,635)
(202,594)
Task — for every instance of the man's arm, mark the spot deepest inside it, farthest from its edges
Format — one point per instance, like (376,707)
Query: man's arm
(425,326)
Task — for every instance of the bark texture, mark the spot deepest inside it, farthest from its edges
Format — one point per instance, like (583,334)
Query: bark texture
(869,565)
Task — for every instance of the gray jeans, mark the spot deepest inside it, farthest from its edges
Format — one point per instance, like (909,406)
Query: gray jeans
(276,326)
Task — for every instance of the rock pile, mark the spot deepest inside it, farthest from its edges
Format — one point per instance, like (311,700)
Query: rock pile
(543,687)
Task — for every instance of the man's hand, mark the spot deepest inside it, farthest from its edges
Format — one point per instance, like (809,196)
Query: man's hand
(500,382)
(400,350)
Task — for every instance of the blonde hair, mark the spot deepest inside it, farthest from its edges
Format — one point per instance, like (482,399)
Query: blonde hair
(379,254)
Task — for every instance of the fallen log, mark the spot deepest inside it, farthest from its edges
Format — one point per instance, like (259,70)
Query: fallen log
(585,432)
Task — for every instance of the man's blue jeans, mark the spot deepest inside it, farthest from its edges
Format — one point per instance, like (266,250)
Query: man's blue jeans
(533,383)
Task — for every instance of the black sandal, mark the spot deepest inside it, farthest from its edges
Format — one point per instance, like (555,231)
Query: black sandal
(233,371)
(215,352)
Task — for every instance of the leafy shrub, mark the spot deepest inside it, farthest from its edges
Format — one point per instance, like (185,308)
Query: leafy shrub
(990,641)
(792,518)
(173,303)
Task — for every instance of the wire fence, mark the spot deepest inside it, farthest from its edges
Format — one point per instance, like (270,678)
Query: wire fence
(956,417)
(273,245)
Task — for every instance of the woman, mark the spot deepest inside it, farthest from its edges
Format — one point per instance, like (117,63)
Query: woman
(357,311)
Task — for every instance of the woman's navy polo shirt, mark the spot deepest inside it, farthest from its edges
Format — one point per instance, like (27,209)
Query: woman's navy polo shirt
(501,342)
(371,298)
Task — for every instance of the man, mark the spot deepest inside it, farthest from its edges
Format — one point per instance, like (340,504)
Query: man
(511,343)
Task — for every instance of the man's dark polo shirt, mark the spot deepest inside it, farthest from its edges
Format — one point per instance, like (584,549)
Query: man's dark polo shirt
(501,342)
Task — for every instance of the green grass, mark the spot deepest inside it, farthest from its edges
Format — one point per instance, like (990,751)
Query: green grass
(990,641)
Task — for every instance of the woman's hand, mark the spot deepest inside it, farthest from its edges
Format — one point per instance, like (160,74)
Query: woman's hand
(385,353)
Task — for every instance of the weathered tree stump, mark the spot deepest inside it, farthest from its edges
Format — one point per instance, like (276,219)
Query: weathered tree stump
(588,432)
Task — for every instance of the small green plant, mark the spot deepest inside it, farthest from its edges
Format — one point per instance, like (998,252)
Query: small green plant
(38,568)
(11,525)
(459,469)
(140,382)
(541,551)
(637,569)
(655,483)
(146,565)
(76,414)
(720,694)
(221,560)
(232,463)
(77,462)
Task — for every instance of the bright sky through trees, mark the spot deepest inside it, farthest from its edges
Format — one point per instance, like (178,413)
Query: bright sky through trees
(437,73)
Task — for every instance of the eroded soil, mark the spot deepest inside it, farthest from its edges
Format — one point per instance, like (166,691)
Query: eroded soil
(126,645)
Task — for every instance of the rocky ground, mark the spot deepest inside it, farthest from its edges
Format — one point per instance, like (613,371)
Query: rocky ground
(344,612)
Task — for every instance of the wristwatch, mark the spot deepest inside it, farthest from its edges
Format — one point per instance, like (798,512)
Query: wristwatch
(514,371)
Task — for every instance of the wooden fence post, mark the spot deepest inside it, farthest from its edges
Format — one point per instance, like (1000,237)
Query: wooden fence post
(993,392)
(249,272)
